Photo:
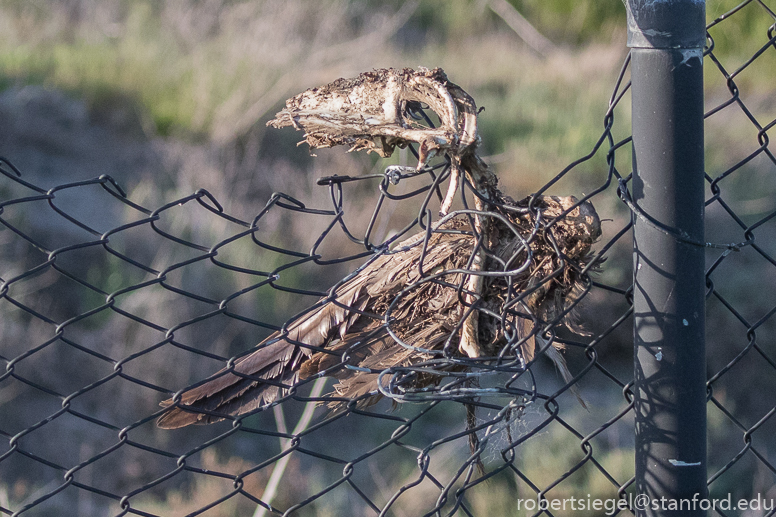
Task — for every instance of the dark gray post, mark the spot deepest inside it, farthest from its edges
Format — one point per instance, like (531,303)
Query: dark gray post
(667,39)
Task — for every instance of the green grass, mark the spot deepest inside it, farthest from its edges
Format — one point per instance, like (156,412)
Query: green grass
(192,79)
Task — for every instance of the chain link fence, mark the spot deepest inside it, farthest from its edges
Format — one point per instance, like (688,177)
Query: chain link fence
(109,307)
(740,355)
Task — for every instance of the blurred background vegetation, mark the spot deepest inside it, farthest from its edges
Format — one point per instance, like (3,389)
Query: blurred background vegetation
(168,97)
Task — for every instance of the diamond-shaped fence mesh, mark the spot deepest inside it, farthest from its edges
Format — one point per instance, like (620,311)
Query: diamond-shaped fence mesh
(741,357)
(109,308)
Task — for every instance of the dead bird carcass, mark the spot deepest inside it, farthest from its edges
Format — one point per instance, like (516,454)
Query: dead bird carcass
(474,288)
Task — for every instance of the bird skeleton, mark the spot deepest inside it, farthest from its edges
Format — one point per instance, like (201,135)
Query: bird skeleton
(471,288)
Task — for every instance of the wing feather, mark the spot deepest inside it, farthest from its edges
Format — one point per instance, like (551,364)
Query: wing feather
(260,377)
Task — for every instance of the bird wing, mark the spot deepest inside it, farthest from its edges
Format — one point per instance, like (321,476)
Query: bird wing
(282,359)
(259,377)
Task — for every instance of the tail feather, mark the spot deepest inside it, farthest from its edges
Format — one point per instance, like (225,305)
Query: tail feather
(264,374)
(260,377)
(560,363)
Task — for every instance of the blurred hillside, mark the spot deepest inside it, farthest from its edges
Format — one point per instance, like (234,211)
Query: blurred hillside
(210,73)
(206,75)
(170,97)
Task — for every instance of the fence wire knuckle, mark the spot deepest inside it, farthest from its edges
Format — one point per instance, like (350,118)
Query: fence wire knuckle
(104,316)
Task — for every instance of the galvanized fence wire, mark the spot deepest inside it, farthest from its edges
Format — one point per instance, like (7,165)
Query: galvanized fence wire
(458,389)
(491,411)
(746,350)
(90,352)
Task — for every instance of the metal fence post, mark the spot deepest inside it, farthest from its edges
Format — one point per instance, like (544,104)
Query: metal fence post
(667,39)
